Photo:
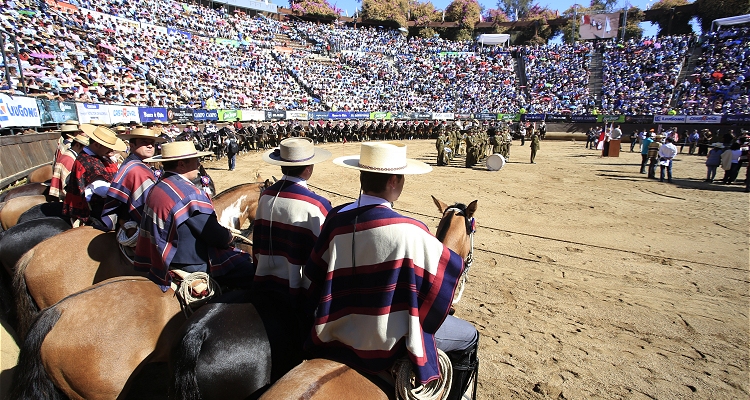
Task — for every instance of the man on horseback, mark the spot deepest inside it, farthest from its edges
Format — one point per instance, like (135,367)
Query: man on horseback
(180,230)
(90,177)
(288,220)
(127,193)
(381,285)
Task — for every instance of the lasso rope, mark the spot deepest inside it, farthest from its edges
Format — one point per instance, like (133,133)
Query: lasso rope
(194,290)
(125,241)
(435,390)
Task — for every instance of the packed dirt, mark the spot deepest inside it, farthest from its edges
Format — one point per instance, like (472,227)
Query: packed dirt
(589,280)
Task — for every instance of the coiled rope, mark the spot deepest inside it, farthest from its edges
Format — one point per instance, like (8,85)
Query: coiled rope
(434,390)
(125,241)
(194,289)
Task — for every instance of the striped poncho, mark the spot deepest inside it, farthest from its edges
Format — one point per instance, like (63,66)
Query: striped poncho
(127,192)
(286,227)
(63,164)
(171,202)
(383,296)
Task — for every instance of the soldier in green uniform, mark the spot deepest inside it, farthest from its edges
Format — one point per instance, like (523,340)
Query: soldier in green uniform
(534,146)
(440,145)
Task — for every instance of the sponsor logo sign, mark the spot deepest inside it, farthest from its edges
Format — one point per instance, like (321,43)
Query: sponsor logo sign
(639,119)
(151,114)
(532,117)
(230,115)
(18,111)
(179,114)
(446,116)
(734,119)
(462,116)
(669,119)
(421,115)
(703,119)
(380,115)
(557,118)
(488,116)
(253,115)
(51,111)
(583,118)
(277,114)
(300,115)
(87,112)
(125,114)
(205,115)
(610,118)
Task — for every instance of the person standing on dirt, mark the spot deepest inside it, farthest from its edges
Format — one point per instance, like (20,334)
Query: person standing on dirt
(233,147)
(534,146)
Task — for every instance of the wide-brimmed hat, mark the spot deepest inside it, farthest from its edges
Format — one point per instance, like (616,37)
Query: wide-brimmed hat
(68,128)
(384,158)
(107,138)
(143,133)
(174,151)
(296,151)
(81,139)
(96,121)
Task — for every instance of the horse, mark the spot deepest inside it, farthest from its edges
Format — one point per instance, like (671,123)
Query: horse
(97,257)
(29,189)
(203,356)
(44,210)
(41,174)
(93,343)
(13,209)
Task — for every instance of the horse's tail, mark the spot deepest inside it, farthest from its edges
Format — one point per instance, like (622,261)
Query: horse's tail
(31,380)
(184,386)
(26,307)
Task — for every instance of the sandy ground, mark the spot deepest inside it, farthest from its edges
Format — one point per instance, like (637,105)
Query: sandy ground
(590,280)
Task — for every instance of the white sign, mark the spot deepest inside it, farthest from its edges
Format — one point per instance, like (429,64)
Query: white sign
(87,112)
(153,28)
(669,119)
(123,114)
(703,119)
(253,115)
(18,111)
(445,116)
(299,115)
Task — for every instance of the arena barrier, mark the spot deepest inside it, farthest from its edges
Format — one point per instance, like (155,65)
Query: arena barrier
(21,154)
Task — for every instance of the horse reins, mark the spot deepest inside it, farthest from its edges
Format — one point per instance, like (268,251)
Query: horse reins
(460,209)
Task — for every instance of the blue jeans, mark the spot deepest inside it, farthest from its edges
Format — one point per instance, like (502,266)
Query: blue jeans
(455,334)
(669,171)
(232,160)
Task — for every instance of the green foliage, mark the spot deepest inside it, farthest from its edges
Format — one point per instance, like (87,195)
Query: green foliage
(465,12)
(424,13)
(511,6)
(314,7)
(462,34)
(603,5)
(385,10)
(709,10)
(673,23)
(633,29)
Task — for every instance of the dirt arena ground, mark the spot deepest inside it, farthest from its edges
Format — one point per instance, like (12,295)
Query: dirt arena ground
(589,281)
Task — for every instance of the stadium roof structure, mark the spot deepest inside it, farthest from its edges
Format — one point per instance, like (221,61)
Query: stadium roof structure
(736,20)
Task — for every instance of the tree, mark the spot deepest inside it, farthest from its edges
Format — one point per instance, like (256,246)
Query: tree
(422,14)
(603,5)
(633,28)
(513,8)
(495,15)
(673,23)
(314,7)
(539,32)
(386,11)
(709,10)
(465,12)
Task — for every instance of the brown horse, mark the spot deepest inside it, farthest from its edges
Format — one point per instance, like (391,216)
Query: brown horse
(320,379)
(41,174)
(28,189)
(44,275)
(92,344)
(13,209)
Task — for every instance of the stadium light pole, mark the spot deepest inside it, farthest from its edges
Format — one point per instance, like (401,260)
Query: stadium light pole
(625,19)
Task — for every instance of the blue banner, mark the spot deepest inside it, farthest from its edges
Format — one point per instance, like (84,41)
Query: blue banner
(361,114)
(489,116)
(532,117)
(151,114)
(206,115)
(639,119)
(736,119)
(317,115)
(557,118)
(173,31)
(583,118)
(341,115)
(275,114)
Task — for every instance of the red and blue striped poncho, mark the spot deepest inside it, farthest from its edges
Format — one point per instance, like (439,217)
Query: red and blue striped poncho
(87,168)
(127,192)
(170,202)
(383,296)
(287,224)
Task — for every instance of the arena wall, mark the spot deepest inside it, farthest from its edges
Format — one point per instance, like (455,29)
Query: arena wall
(21,154)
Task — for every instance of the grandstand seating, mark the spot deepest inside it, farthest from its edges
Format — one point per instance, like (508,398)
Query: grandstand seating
(241,61)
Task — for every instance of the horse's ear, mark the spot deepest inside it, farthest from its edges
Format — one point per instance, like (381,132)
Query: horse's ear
(274,179)
(440,205)
(267,183)
(471,209)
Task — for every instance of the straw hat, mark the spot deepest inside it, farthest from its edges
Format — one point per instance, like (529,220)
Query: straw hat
(96,121)
(81,139)
(384,158)
(66,128)
(143,133)
(178,151)
(107,138)
(296,152)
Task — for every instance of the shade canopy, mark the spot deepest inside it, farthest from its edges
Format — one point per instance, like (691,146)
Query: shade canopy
(736,20)
(493,38)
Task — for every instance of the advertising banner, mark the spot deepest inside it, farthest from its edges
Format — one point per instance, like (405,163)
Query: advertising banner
(230,115)
(317,115)
(299,115)
(205,115)
(508,117)
(18,111)
(462,116)
(253,115)
(151,114)
(125,114)
(380,115)
(598,26)
(339,115)
(639,119)
(610,118)
(558,118)
(669,119)
(486,116)
(278,114)
(532,117)
(361,115)
(736,119)
(583,118)
(445,116)
(397,115)
(703,119)
(55,112)
(87,112)
(421,115)
(175,31)
(179,115)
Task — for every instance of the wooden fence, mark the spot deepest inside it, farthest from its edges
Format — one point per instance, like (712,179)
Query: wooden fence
(21,154)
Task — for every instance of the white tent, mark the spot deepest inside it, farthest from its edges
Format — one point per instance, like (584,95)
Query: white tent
(493,38)
(736,20)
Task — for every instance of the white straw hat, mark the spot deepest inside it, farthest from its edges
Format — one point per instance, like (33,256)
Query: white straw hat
(107,138)
(181,150)
(384,158)
(296,151)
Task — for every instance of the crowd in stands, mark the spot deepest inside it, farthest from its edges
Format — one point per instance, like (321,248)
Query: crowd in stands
(232,60)
(720,83)
(557,78)
(639,76)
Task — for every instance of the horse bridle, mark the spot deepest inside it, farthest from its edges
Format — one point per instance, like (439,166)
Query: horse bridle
(460,209)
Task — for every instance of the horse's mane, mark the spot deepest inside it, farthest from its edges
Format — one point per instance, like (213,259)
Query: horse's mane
(445,223)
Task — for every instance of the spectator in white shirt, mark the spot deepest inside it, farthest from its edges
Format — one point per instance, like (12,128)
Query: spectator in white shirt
(667,152)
